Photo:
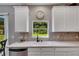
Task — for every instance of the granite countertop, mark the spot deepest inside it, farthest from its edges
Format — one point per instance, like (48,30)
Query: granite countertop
(29,44)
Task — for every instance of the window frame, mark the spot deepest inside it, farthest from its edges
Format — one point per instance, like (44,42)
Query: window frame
(47,28)
(6,25)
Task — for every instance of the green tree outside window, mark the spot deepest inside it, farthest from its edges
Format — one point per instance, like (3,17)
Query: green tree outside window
(41,27)
(1,29)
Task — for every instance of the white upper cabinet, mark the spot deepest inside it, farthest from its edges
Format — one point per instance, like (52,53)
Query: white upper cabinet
(21,18)
(66,18)
(58,19)
(71,16)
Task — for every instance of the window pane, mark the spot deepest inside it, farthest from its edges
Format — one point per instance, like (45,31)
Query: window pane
(1,29)
(40,29)
(39,24)
(40,32)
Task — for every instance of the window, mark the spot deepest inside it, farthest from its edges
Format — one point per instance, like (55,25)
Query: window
(40,29)
(3,27)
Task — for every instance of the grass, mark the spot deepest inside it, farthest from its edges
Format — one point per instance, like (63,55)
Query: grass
(1,38)
(0,45)
(40,34)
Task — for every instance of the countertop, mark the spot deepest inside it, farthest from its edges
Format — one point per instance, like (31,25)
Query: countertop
(29,44)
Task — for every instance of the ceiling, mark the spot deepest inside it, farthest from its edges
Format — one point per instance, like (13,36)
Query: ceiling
(54,4)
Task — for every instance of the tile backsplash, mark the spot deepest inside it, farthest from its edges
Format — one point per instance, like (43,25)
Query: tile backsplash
(21,36)
(60,36)
(65,36)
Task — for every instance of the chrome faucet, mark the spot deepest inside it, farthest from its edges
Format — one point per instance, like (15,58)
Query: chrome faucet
(38,37)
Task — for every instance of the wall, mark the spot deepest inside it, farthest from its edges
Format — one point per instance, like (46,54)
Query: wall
(33,10)
(66,36)
(13,37)
(16,36)
(47,9)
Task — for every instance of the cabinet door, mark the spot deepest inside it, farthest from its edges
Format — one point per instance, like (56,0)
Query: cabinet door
(76,17)
(66,18)
(21,18)
(71,18)
(58,19)
(33,51)
(40,51)
(47,51)
(66,51)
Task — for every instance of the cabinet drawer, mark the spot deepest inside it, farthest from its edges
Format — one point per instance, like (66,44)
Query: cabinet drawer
(33,49)
(33,54)
(47,53)
(47,49)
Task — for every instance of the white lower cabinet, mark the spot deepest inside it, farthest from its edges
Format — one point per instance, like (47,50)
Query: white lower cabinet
(66,51)
(53,51)
(33,51)
(40,51)
(47,51)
